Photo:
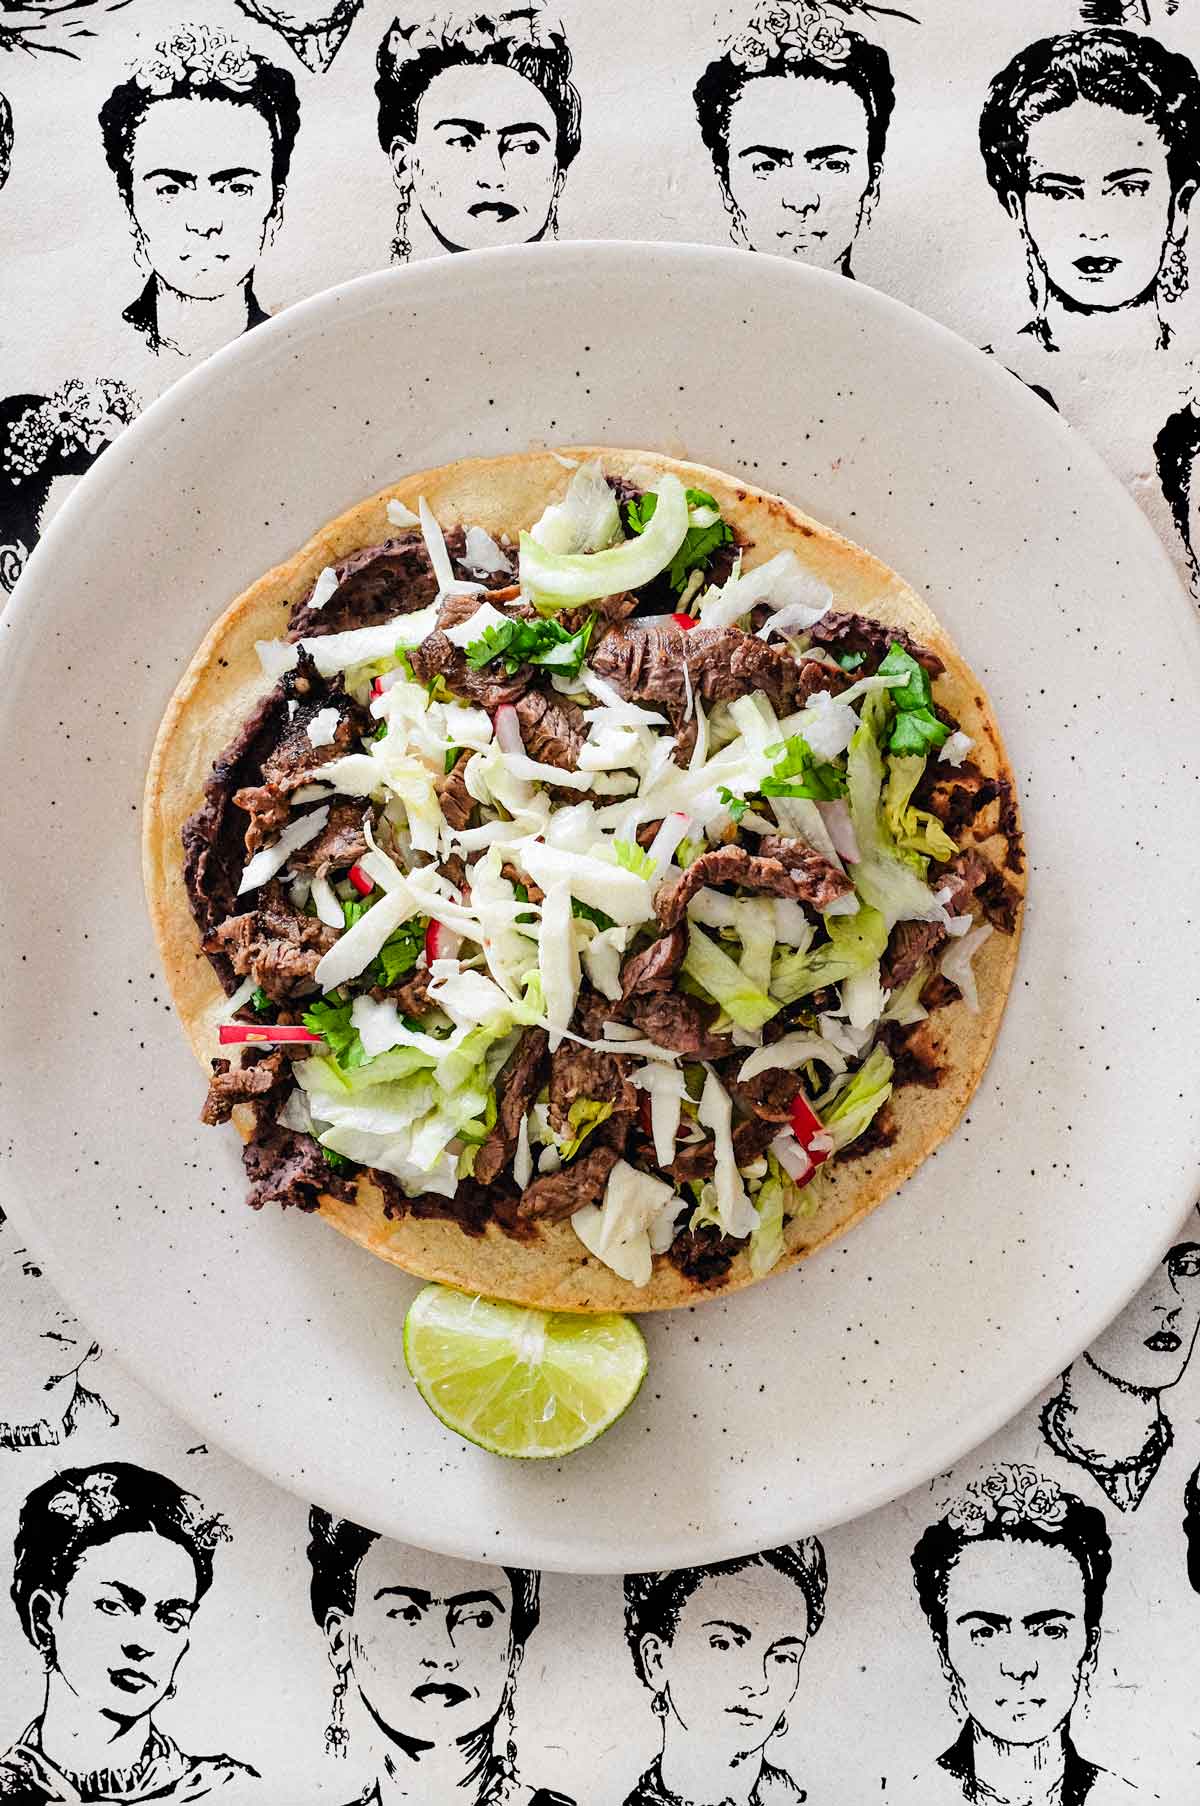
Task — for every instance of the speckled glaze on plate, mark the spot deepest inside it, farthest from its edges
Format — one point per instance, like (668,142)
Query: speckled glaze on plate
(833,1387)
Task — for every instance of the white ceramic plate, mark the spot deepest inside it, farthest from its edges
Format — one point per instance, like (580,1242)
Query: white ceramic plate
(826,1390)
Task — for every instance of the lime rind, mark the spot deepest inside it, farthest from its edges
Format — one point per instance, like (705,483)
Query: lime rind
(528,1384)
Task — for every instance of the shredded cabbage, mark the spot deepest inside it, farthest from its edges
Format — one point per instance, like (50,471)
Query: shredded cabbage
(854,943)
(850,1104)
(766,1237)
(956,963)
(917,835)
(735,1213)
(635,1220)
(558,580)
(586,520)
(269,860)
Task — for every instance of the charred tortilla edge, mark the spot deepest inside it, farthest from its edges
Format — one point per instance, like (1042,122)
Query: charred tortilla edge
(553,1270)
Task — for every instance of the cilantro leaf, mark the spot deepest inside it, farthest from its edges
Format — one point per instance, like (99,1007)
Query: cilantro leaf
(543,642)
(452,753)
(260,1001)
(337,1161)
(699,543)
(330,1018)
(380,732)
(797,773)
(353,908)
(736,805)
(632,858)
(850,661)
(399,953)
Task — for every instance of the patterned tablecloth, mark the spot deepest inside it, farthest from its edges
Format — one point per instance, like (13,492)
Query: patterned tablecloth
(1023,1630)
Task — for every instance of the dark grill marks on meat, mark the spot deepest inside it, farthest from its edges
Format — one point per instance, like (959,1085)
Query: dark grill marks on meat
(519,1083)
(558,1195)
(411,995)
(472,1207)
(654,968)
(285,1168)
(273,944)
(1001,902)
(908,945)
(438,656)
(339,844)
(646,664)
(785,868)
(578,1073)
(703,1255)
(962,877)
(374,584)
(858,633)
(260,1075)
(680,1022)
(938,991)
(880,1132)
(914,1053)
(294,760)
(973,876)
(959,796)
(768,1095)
(552,728)
(457,803)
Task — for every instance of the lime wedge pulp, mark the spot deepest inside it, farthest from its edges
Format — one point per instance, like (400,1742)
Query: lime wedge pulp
(521,1382)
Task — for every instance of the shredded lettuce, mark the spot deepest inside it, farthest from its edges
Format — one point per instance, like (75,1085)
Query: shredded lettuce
(586,520)
(633,858)
(798,773)
(766,1238)
(881,878)
(584,1115)
(850,1104)
(723,981)
(855,943)
(917,835)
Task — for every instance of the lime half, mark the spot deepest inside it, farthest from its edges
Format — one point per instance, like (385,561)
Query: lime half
(521,1382)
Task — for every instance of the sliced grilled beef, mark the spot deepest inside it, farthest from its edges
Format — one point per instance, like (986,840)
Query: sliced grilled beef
(973,876)
(646,664)
(680,1022)
(285,1168)
(768,1096)
(339,844)
(914,1052)
(411,995)
(558,1195)
(519,1084)
(880,1132)
(260,1075)
(703,1255)
(579,1072)
(939,991)
(457,803)
(374,584)
(859,633)
(552,728)
(908,945)
(274,944)
(785,868)
(654,968)
(438,656)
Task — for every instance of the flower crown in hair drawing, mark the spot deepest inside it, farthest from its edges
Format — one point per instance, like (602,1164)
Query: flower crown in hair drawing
(79,416)
(473,32)
(91,1502)
(1012,1494)
(804,31)
(196,56)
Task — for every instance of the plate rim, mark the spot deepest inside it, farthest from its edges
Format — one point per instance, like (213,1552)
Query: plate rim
(19,620)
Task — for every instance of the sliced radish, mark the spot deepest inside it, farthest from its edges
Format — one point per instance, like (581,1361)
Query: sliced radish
(507,728)
(836,816)
(358,878)
(813,1137)
(231,1033)
(685,621)
(441,942)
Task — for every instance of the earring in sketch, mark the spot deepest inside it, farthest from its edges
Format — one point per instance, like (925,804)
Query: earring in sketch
(337,1737)
(658,1705)
(1039,295)
(1173,276)
(401,249)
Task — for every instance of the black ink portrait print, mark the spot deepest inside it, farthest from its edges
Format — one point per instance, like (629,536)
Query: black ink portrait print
(1011,1580)
(481,121)
(44,438)
(719,1651)
(1175,452)
(58,27)
(795,115)
(110,1566)
(425,1654)
(6,139)
(1107,1415)
(48,1389)
(1091,141)
(200,141)
(315,29)
(1122,12)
